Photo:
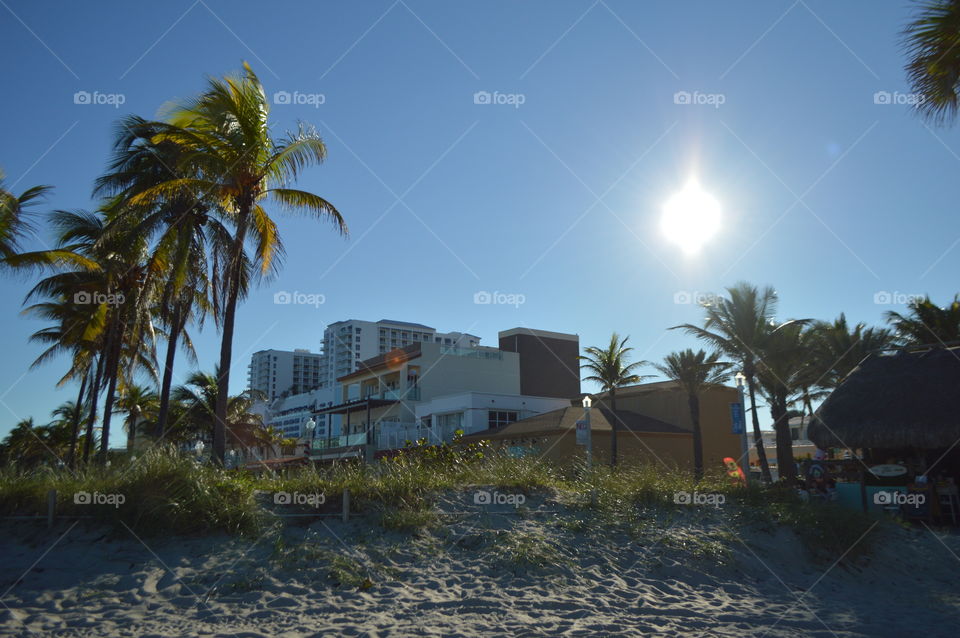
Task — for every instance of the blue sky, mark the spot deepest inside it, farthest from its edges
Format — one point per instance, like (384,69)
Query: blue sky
(827,195)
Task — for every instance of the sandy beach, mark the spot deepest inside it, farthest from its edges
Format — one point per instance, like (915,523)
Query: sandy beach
(479,572)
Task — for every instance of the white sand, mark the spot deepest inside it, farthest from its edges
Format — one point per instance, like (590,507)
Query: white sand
(463,579)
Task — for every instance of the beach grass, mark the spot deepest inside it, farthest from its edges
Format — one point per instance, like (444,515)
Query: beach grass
(164,492)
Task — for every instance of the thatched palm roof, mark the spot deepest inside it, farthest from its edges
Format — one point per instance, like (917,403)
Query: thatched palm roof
(902,400)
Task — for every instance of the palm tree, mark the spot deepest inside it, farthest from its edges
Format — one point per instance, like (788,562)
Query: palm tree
(140,404)
(782,374)
(738,327)
(694,372)
(232,158)
(196,400)
(609,367)
(105,305)
(927,323)
(20,444)
(933,69)
(178,266)
(74,331)
(14,224)
(838,348)
(28,444)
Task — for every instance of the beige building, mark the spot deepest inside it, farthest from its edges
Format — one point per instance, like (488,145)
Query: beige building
(430,390)
(654,426)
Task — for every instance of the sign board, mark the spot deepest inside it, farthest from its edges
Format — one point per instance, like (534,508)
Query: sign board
(736,418)
(582,433)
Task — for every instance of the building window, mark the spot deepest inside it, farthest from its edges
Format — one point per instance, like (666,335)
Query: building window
(499,418)
(454,421)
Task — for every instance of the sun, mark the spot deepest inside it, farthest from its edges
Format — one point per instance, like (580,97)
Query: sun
(691,217)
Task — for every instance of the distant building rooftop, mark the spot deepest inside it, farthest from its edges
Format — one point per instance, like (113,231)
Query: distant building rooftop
(406,323)
(546,334)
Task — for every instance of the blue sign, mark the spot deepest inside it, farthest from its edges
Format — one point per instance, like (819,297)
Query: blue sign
(736,416)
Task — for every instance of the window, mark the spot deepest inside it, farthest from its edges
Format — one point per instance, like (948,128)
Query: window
(454,421)
(499,418)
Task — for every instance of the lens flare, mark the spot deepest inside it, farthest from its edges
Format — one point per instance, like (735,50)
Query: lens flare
(690,218)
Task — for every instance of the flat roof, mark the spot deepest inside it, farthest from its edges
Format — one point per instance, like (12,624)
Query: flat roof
(406,323)
(546,334)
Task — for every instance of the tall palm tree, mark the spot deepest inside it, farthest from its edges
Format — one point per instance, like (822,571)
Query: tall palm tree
(695,372)
(99,279)
(139,403)
(184,230)
(933,68)
(926,323)
(233,159)
(738,326)
(14,223)
(610,368)
(782,374)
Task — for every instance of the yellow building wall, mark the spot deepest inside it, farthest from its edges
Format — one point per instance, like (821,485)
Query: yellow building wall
(671,405)
(660,450)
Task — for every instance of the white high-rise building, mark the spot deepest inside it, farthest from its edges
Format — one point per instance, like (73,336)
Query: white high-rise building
(298,383)
(347,343)
(278,373)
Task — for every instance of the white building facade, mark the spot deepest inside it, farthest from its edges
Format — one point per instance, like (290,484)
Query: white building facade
(430,390)
(347,343)
(278,373)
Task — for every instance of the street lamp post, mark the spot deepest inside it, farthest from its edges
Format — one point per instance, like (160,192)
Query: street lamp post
(741,381)
(587,402)
(310,426)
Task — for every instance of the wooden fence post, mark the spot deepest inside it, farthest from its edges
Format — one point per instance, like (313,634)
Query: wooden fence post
(346,505)
(51,506)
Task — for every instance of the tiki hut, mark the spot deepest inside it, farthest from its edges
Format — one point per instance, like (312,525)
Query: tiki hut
(908,401)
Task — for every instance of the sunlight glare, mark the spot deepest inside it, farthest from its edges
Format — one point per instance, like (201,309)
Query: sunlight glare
(690,218)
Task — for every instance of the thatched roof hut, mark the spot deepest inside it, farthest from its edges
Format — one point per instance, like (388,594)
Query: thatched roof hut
(902,400)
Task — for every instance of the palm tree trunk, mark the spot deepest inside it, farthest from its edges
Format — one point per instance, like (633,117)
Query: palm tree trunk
(757,437)
(693,401)
(132,418)
(176,324)
(75,425)
(112,372)
(93,398)
(613,428)
(226,342)
(781,425)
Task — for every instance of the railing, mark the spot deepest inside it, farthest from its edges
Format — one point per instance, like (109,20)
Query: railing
(471,352)
(411,394)
(344,440)
(389,436)
(394,438)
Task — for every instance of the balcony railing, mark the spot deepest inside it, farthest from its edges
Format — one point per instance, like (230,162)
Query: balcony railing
(344,440)
(390,436)
(410,394)
(471,352)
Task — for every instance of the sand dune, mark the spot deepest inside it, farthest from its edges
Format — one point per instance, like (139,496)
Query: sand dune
(481,572)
